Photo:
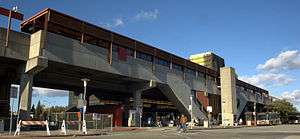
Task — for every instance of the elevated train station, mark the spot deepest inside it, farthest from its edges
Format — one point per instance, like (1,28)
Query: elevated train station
(130,79)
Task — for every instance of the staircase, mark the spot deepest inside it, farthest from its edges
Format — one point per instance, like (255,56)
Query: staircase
(242,103)
(179,93)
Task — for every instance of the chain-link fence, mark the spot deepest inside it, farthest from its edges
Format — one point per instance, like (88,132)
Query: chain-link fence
(73,120)
(103,122)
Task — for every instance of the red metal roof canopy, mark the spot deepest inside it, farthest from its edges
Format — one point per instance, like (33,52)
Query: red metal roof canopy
(15,15)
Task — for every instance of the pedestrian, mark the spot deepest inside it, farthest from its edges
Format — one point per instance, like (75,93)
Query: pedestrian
(183,120)
(177,122)
(158,123)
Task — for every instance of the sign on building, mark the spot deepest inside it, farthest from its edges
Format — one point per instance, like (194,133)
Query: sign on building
(209,108)
(96,116)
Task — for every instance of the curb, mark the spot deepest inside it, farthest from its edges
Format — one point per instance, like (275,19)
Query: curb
(216,128)
(76,135)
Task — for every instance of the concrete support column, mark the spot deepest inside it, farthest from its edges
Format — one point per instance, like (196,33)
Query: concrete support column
(4,98)
(35,63)
(25,95)
(126,107)
(138,106)
(228,95)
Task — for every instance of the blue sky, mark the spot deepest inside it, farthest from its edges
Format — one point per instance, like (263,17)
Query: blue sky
(245,33)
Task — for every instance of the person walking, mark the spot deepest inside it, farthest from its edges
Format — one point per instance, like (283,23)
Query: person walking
(177,122)
(183,120)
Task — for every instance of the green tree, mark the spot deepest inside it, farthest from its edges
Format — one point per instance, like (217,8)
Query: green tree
(283,107)
(58,109)
(32,110)
(39,110)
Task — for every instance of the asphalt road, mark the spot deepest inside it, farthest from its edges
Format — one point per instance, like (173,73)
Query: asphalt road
(270,132)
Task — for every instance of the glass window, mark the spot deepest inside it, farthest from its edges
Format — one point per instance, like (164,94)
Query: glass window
(162,62)
(115,48)
(177,67)
(130,52)
(190,71)
(144,56)
(200,74)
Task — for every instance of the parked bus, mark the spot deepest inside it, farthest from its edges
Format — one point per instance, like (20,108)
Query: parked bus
(268,118)
(294,118)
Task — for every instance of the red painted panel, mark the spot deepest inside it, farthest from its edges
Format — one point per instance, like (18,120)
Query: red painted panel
(122,53)
(117,112)
(202,98)
(118,115)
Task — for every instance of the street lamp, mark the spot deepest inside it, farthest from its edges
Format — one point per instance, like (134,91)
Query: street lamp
(85,80)
(191,109)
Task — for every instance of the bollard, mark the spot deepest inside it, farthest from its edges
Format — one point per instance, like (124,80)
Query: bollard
(47,128)
(84,131)
(63,128)
(18,128)
(206,124)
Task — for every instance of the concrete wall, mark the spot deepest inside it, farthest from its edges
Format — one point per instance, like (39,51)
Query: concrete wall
(18,45)
(69,51)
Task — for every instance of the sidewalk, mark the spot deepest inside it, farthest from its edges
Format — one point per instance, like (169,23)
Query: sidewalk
(116,130)
(58,133)
(53,133)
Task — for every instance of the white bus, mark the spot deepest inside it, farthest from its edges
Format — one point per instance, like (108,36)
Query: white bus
(268,118)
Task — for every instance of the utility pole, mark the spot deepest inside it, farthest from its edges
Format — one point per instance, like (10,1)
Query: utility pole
(11,116)
(254,114)
(85,80)
(191,109)
(140,116)
(254,109)
(8,29)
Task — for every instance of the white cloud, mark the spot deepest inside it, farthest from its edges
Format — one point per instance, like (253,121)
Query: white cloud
(268,79)
(42,92)
(284,61)
(274,73)
(118,22)
(293,96)
(142,15)
(147,15)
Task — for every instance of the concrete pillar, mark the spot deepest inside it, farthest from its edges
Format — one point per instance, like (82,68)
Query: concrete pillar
(4,98)
(126,107)
(228,95)
(25,95)
(35,63)
(138,106)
